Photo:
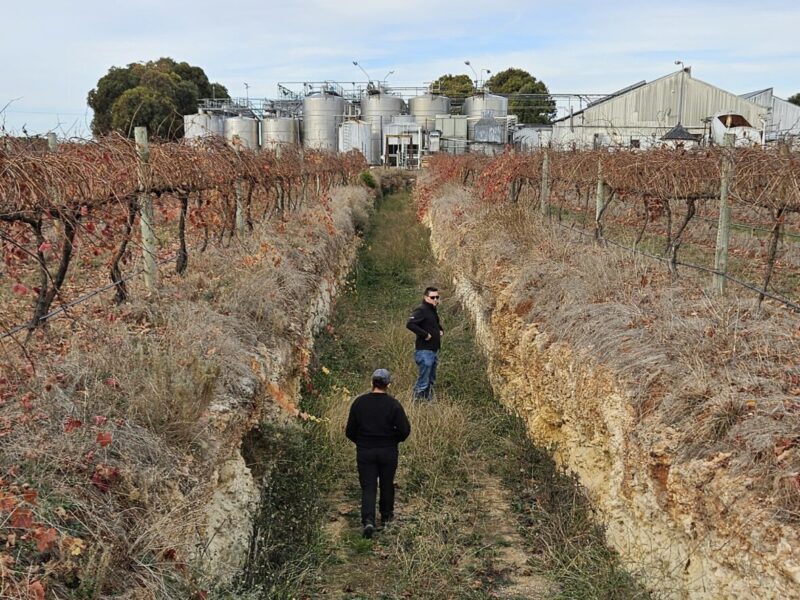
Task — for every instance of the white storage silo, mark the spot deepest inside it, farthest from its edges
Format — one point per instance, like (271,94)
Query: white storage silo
(277,132)
(243,128)
(202,125)
(377,109)
(357,135)
(425,108)
(322,115)
(480,105)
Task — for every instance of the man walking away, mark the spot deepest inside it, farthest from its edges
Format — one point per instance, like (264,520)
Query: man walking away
(424,322)
(377,424)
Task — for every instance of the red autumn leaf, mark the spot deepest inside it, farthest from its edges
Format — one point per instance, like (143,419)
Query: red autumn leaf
(36,590)
(29,496)
(22,518)
(112,382)
(45,246)
(90,227)
(104,438)
(71,424)
(84,210)
(45,538)
(19,289)
(104,476)
(100,420)
(27,401)
(7,502)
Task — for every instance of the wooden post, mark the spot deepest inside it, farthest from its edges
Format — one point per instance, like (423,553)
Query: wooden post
(52,147)
(146,219)
(544,195)
(600,201)
(238,187)
(240,216)
(724,227)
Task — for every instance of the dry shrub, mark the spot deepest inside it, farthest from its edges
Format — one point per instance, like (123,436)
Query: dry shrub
(720,372)
(126,422)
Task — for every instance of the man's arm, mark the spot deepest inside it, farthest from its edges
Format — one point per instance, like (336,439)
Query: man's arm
(351,431)
(414,321)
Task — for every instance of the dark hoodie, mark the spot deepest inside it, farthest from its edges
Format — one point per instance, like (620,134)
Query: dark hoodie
(376,421)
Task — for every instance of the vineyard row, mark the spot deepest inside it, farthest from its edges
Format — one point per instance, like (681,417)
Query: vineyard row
(658,201)
(105,199)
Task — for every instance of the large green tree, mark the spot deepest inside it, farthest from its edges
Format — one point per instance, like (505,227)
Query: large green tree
(529,98)
(155,94)
(795,99)
(453,86)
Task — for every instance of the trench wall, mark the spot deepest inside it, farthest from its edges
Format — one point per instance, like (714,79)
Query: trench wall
(682,529)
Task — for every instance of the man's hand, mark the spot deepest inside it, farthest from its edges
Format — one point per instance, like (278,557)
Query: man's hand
(428,337)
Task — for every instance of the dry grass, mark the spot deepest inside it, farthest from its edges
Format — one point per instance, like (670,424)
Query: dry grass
(131,408)
(722,373)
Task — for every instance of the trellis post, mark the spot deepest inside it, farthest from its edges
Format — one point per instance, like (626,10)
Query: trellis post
(238,187)
(600,201)
(146,219)
(544,195)
(52,147)
(724,227)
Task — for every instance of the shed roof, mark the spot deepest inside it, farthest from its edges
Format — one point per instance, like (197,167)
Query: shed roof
(680,134)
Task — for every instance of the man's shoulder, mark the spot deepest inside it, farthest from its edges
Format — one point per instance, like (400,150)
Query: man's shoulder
(359,399)
(394,401)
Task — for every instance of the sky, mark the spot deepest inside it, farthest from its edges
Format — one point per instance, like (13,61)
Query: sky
(53,52)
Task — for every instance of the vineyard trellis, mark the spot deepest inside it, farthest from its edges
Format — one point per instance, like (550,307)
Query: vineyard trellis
(90,194)
(658,199)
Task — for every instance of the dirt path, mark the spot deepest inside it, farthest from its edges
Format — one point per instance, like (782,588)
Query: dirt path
(496,565)
(455,534)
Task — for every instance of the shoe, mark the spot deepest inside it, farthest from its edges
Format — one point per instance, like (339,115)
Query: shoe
(369,529)
(386,522)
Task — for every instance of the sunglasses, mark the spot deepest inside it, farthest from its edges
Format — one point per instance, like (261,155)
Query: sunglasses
(433,297)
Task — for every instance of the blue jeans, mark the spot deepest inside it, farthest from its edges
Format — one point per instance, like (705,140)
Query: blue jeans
(426,362)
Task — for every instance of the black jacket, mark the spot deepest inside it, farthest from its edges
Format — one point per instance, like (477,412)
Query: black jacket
(376,421)
(423,321)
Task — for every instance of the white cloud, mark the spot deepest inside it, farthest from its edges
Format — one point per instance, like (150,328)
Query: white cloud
(54,52)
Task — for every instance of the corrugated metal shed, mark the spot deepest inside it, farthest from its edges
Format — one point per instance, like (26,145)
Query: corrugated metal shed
(643,114)
(784,118)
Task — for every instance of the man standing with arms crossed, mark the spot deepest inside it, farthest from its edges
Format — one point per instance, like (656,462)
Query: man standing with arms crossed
(376,425)
(424,322)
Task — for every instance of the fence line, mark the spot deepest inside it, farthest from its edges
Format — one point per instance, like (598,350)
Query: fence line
(82,299)
(785,301)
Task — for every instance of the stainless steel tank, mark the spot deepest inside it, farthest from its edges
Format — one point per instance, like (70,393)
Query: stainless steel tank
(357,135)
(279,131)
(202,125)
(477,106)
(245,128)
(425,108)
(377,109)
(322,115)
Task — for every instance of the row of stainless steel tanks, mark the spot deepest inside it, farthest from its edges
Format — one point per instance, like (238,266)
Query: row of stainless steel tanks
(323,113)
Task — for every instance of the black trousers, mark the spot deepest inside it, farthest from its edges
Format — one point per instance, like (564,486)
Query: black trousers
(376,465)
